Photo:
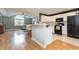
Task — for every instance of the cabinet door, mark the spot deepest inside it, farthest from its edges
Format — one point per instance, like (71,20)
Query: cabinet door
(76,26)
(70,26)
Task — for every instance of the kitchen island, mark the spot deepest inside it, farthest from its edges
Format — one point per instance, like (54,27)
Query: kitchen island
(42,34)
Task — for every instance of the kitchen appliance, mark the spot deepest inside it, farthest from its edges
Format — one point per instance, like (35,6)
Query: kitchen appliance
(58,29)
(58,26)
(59,20)
(73,26)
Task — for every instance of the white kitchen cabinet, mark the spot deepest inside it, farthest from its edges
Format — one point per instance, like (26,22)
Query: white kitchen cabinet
(47,18)
(68,14)
(42,34)
(64,30)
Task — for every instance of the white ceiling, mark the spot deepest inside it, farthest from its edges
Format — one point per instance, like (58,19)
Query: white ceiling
(31,11)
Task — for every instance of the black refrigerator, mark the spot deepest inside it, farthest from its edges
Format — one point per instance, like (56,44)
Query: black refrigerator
(73,26)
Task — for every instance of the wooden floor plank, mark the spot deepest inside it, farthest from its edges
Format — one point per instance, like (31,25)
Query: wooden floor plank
(6,43)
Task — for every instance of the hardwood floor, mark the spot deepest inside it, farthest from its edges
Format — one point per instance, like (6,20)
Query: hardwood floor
(60,45)
(20,40)
(56,45)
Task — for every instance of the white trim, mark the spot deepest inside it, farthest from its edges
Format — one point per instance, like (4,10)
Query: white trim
(42,45)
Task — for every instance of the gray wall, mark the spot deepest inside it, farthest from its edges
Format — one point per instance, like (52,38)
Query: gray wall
(9,22)
(1,20)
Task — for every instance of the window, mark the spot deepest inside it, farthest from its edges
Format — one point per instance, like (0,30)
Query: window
(19,20)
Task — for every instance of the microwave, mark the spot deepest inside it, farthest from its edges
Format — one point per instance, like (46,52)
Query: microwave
(59,19)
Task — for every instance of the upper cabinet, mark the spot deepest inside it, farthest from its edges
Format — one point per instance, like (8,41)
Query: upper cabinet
(53,17)
(64,16)
(47,18)
(69,14)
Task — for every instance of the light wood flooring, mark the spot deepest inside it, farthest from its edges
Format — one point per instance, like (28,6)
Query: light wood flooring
(20,40)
